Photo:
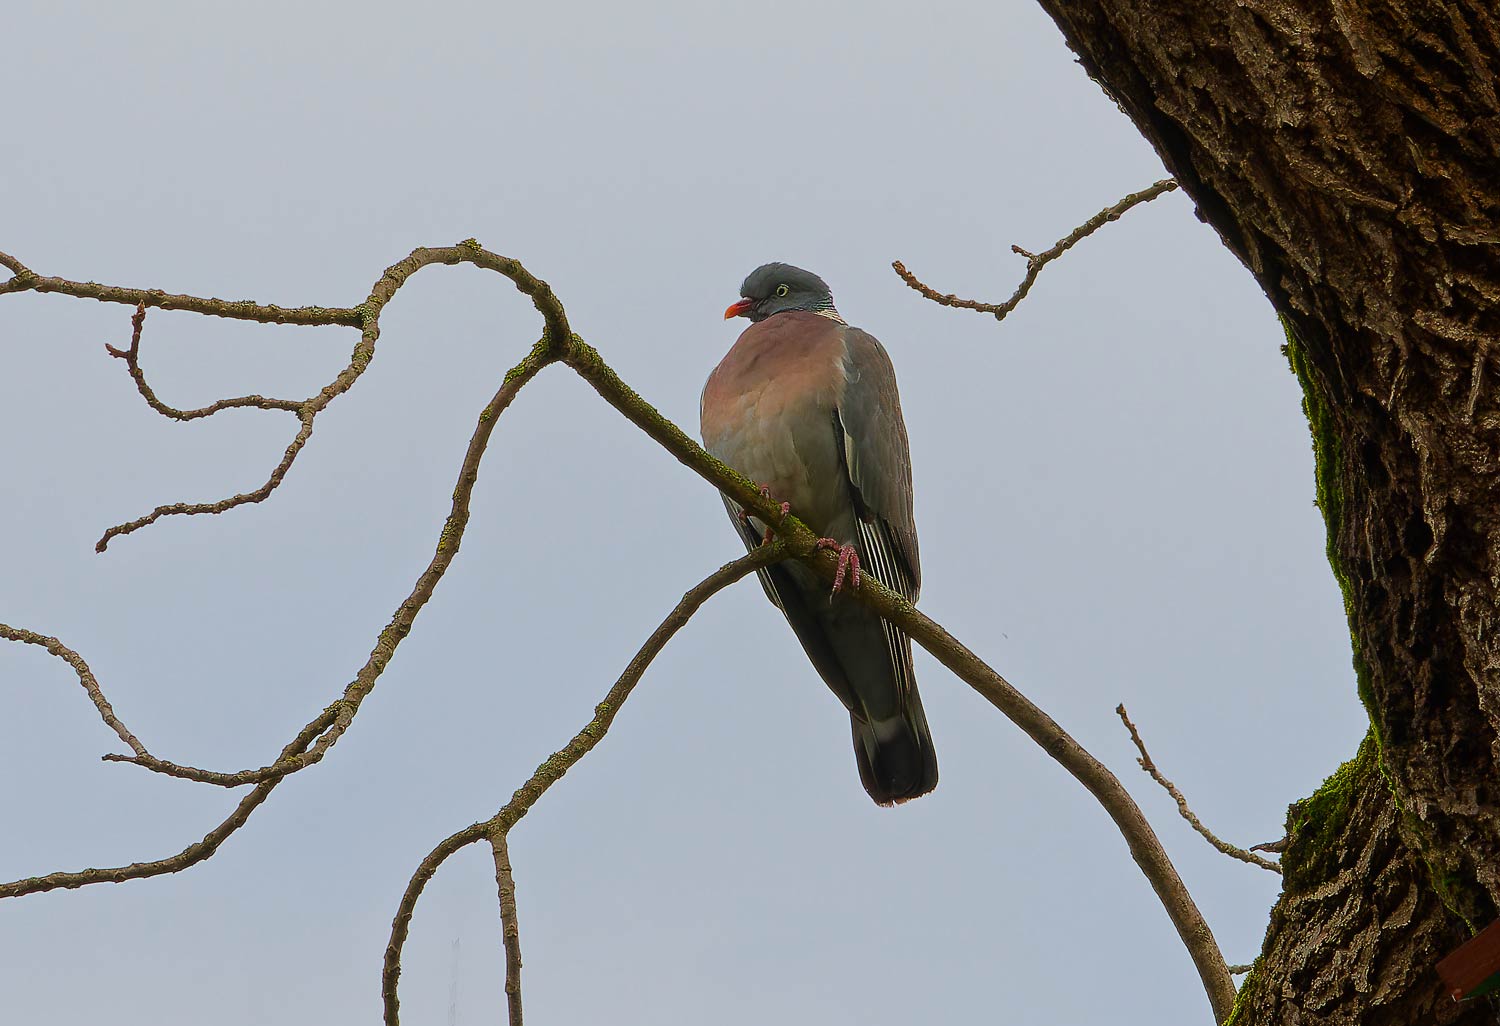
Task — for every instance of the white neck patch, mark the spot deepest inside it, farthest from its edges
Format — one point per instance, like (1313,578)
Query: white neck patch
(831,314)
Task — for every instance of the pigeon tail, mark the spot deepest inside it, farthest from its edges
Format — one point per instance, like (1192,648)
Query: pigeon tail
(896,759)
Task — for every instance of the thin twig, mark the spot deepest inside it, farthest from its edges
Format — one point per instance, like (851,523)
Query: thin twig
(366,317)
(1096,778)
(564,759)
(1036,261)
(132,358)
(449,539)
(85,677)
(26,280)
(189,856)
(334,720)
(192,508)
(326,728)
(1182,805)
(510,928)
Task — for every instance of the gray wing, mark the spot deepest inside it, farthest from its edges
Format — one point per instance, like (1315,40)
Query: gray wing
(877,459)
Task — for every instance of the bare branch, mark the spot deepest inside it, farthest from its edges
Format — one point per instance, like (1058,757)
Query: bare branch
(26,280)
(192,508)
(366,317)
(510,928)
(132,358)
(1182,805)
(564,759)
(449,539)
(189,856)
(332,722)
(1096,778)
(85,677)
(305,410)
(1036,261)
(471,252)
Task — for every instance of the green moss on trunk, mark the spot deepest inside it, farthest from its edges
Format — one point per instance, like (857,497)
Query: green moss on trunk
(1328,459)
(1316,824)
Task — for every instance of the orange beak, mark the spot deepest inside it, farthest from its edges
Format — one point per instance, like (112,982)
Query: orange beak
(739,309)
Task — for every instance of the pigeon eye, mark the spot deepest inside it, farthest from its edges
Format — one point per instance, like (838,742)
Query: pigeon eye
(782,290)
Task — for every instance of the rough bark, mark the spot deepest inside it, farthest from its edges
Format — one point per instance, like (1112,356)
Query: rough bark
(1346,152)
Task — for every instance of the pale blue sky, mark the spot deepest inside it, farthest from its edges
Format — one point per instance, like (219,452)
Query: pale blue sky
(1114,493)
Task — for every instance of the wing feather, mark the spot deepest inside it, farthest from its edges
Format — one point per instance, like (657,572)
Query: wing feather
(877,460)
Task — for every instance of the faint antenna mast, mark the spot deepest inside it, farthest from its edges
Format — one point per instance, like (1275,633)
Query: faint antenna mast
(453,987)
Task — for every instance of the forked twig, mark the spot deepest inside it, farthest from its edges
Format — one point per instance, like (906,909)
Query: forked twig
(366,317)
(319,735)
(552,770)
(449,539)
(1182,805)
(223,505)
(189,856)
(132,358)
(1036,261)
(85,677)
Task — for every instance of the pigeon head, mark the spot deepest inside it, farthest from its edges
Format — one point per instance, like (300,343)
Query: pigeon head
(775,288)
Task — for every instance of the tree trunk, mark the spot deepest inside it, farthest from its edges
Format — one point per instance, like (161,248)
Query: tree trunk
(1346,152)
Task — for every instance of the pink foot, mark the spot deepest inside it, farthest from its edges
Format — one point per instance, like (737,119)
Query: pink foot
(848,563)
(786,507)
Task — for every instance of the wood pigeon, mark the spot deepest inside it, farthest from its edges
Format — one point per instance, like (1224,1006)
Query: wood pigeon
(806,406)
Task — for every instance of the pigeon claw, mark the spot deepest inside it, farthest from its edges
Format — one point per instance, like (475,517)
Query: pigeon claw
(848,564)
(786,507)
